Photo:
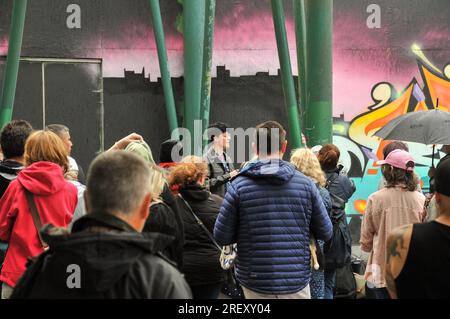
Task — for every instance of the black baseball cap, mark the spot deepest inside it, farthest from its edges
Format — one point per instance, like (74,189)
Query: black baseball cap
(442,178)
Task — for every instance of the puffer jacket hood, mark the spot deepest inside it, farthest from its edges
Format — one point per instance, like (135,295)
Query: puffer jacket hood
(42,178)
(276,172)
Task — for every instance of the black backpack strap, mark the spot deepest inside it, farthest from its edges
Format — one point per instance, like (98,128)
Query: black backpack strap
(36,217)
(200,223)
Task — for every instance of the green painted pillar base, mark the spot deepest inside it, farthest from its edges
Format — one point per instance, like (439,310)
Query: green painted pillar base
(164,65)
(323,117)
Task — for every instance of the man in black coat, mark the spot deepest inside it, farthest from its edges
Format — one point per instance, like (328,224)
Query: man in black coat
(106,256)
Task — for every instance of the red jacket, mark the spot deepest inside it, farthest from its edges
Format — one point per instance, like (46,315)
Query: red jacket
(55,200)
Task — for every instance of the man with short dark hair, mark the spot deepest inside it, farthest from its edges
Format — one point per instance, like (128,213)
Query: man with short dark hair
(12,141)
(107,256)
(418,260)
(220,165)
(269,211)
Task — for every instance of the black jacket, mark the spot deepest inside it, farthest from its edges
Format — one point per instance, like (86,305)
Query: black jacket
(200,256)
(8,172)
(114,261)
(218,174)
(340,184)
(165,218)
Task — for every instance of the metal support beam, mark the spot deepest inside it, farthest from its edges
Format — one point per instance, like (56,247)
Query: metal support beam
(286,73)
(163,64)
(300,35)
(12,61)
(194,28)
(210,13)
(319,110)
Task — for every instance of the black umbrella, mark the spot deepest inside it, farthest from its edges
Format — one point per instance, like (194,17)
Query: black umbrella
(427,127)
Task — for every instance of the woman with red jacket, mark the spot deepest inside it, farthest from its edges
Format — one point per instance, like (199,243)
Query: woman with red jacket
(55,200)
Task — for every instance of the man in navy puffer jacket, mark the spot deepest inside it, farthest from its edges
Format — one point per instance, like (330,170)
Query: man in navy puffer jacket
(270,210)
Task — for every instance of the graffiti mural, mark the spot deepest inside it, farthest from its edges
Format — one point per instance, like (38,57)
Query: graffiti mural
(361,149)
(378,70)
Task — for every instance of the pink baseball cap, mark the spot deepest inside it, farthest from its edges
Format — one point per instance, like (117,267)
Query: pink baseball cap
(400,159)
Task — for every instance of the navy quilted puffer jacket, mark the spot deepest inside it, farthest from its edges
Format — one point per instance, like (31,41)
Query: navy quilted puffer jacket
(269,211)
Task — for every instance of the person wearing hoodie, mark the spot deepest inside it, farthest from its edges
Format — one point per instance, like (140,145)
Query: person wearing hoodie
(55,199)
(165,213)
(107,255)
(200,255)
(270,210)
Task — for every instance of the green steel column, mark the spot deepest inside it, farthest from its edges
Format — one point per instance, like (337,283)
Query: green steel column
(210,11)
(286,73)
(163,64)
(319,110)
(12,61)
(194,22)
(300,35)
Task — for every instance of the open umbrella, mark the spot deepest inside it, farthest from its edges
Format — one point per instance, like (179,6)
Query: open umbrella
(427,127)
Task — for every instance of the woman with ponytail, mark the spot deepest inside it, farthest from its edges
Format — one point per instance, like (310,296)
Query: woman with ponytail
(341,188)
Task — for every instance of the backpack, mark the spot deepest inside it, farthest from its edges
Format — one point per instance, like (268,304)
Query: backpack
(25,285)
(338,250)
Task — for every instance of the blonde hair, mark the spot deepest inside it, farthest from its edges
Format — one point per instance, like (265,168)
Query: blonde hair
(157,182)
(46,146)
(306,162)
(189,171)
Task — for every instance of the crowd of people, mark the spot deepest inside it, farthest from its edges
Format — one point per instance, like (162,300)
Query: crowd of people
(199,228)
